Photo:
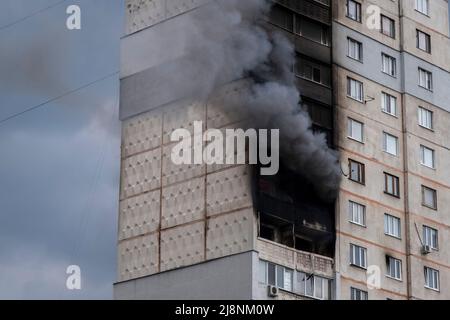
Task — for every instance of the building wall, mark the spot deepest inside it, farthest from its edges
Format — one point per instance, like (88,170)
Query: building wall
(406,165)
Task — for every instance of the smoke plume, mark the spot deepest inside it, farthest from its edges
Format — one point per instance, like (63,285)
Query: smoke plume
(227,40)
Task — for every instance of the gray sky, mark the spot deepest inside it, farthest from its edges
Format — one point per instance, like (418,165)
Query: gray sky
(59,164)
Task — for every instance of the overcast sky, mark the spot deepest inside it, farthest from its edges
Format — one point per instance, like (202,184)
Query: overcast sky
(59,163)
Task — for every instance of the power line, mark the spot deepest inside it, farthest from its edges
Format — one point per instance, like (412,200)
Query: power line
(57,98)
(31,15)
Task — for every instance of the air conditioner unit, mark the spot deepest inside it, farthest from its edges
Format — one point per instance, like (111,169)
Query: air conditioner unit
(273,291)
(426,249)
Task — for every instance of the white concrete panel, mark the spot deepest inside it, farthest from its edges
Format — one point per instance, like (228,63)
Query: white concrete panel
(228,190)
(182,246)
(183,203)
(143,13)
(142,133)
(229,234)
(139,215)
(138,257)
(141,173)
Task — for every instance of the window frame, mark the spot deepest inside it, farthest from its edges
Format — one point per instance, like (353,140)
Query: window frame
(360,86)
(350,127)
(429,79)
(397,268)
(395,186)
(392,30)
(358,8)
(392,65)
(361,213)
(423,150)
(359,47)
(427,36)
(388,98)
(362,257)
(434,191)
(435,272)
(427,233)
(361,171)
(421,111)
(388,224)
(386,136)
(362,293)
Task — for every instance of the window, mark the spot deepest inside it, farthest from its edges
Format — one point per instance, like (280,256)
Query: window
(392,226)
(354,10)
(390,144)
(282,17)
(356,171)
(429,198)
(431,278)
(425,79)
(355,49)
(423,41)
(275,275)
(312,286)
(425,118)
(313,71)
(392,185)
(388,104)
(355,89)
(430,237)
(427,157)
(388,65)
(387,26)
(422,6)
(312,30)
(357,213)
(358,256)
(357,294)
(355,130)
(394,268)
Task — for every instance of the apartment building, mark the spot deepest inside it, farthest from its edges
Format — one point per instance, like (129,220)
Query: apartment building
(224,232)
(392,107)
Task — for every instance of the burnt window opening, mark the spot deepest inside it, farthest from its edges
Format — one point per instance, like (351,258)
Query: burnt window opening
(321,117)
(291,213)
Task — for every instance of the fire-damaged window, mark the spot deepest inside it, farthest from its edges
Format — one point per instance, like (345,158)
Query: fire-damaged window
(321,117)
(293,214)
(301,25)
(309,69)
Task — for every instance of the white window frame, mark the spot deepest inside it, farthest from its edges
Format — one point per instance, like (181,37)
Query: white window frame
(432,278)
(264,267)
(354,292)
(358,256)
(427,155)
(434,193)
(394,268)
(389,104)
(355,89)
(423,41)
(426,118)
(431,237)
(353,126)
(388,65)
(355,16)
(387,26)
(354,49)
(357,213)
(300,287)
(423,6)
(392,226)
(386,143)
(425,79)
